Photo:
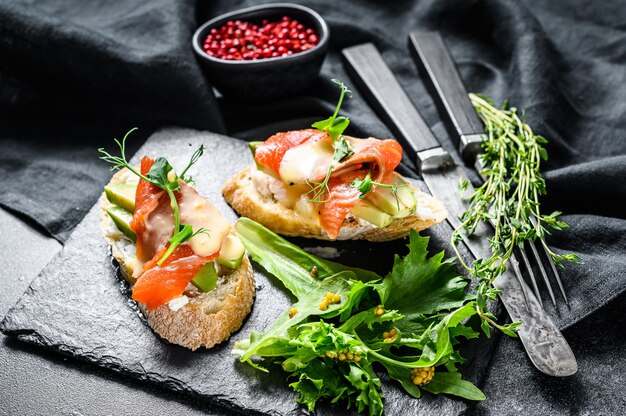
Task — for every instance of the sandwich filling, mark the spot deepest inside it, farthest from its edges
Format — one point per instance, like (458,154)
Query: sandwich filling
(153,223)
(304,160)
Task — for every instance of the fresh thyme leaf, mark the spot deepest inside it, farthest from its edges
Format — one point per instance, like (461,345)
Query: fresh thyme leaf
(185,234)
(509,199)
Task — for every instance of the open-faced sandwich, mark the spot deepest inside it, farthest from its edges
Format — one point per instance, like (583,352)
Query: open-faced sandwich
(187,269)
(319,183)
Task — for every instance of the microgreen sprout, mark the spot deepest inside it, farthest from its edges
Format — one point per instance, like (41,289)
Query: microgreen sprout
(186,233)
(162,176)
(335,125)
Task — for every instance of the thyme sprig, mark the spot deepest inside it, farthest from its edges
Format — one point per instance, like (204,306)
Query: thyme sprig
(509,197)
(335,125)
(162,176)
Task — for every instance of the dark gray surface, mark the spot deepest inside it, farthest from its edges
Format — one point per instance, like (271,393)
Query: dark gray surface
(37,382)
(79,307)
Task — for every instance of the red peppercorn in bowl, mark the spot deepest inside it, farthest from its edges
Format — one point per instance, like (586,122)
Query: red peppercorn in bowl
(237,40)
(262,52)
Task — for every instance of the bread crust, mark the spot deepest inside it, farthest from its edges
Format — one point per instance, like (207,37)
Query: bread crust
(208,318)
(241,193)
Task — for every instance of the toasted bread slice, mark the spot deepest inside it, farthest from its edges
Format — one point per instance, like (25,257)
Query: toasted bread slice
(243,195)
(207,318)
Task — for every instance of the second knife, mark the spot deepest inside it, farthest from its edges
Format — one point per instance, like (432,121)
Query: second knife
(546,347)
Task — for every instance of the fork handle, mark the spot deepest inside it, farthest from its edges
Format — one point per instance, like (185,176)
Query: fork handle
(444,83)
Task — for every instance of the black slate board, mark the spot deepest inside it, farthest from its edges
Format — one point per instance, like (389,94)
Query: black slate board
(79,306)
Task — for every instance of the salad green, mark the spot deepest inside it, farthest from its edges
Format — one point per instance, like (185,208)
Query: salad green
(347,320)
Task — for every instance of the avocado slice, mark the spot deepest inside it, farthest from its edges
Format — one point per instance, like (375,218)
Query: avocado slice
(400,207)
(205,279)
(372,214)
(122,195)
(122,218)
(253,146)
(232,252)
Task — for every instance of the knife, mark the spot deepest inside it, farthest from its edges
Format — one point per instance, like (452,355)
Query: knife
(546,347)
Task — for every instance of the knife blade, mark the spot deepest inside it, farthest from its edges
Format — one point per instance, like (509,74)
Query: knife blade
(546,347)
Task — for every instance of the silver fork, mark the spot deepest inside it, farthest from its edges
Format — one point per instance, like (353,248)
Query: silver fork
(444,83)
(544,274)
(478,166)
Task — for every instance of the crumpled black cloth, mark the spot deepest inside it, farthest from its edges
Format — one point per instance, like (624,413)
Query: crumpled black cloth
(74,74)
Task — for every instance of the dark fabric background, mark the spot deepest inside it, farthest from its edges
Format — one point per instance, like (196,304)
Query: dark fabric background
(74,74)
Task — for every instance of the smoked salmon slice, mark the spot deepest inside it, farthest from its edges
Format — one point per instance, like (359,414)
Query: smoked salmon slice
(147,199)
(154,225)
(160,284)
(341,199)
(271,152)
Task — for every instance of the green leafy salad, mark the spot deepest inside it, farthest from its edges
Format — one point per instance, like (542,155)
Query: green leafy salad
(347,322)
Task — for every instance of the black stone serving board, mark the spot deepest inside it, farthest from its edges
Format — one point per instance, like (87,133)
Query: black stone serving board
(79,306)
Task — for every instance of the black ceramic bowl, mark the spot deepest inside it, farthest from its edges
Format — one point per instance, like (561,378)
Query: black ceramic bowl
(264,78)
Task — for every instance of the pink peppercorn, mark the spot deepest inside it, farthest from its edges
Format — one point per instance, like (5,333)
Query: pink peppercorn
(237,40)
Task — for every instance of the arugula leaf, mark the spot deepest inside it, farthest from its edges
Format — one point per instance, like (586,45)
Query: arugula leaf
(330,352)
(309,305)
(419,285)
(451,383)
(289,263)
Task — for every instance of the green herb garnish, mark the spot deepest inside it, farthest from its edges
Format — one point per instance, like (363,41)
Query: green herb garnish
(335,125)
(410,322)
(185,233)
(162,176)
(509,199)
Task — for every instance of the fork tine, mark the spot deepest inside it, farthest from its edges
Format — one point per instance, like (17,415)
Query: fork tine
(543,270)
(557,276)
(518,274)
(533,280)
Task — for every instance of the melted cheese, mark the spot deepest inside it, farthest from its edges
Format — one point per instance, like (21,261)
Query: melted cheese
(199,213)
(307,161)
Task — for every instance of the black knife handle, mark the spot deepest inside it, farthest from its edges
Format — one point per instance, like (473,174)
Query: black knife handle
(443,80)
(381,89)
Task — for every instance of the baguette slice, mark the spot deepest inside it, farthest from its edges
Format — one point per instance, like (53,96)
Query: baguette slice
(242,194)
(208,318)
